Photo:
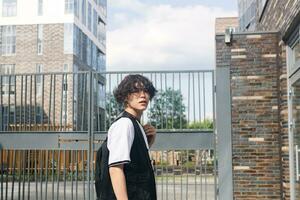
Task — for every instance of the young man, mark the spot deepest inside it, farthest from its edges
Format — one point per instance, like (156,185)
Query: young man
(129,166)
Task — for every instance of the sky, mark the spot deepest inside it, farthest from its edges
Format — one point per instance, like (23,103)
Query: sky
(145,35)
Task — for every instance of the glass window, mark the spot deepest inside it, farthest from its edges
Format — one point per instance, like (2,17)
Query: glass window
(296,52)
(8,40)
(40,7)
(76,8)
(83,12)
(95,22)
(68,38)
(69,6)
(9,8)
(295,139)
(88,52)
(39,39)
(8,82)
(89,17)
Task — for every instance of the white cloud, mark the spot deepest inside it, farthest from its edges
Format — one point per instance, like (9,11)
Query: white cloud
(161,37)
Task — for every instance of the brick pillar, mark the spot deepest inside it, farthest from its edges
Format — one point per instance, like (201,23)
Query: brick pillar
(255,77)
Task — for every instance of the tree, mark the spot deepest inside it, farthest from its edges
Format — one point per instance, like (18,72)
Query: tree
(113,109)
(167,111)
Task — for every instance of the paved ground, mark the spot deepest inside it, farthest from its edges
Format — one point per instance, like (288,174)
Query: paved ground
(184,189)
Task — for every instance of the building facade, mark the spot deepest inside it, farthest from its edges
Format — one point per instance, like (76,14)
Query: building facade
(262,62)
(40,37)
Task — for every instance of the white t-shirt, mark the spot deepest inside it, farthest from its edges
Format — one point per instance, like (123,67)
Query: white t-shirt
(119,141)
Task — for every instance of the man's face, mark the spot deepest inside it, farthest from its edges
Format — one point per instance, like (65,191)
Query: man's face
(138,100)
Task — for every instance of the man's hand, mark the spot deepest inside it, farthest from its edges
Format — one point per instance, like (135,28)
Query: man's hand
(150,132)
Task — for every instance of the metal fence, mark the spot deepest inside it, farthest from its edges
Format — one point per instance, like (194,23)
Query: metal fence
(53,123)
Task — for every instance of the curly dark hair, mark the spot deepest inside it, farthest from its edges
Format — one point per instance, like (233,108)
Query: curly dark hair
(131,84)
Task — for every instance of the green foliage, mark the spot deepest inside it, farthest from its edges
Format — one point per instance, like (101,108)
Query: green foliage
(113,109)
(205,124)
(167,111)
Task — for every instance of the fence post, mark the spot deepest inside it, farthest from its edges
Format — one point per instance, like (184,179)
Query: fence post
(223,122)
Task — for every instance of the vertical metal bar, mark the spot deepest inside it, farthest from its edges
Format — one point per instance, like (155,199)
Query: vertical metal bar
(35,100)
(13,174)
(19,178)
(83,101)
(25,103)
(173,106)
(64,163)
(194,103)
(188,108)
(7,173)
(199,94)
(72,168)
(41,173)
(215,136)
(28,173)
(173,163)
(181,174)
(205,172)
(187,173)
(46,176)
(58,174)
(50,103)
(54,83)
(66,104)
(73,102)
(61,101)
(91,136)
(90,130)
(8,114)
(201,180)
(162,175)
(204,114)
(52,174)
(162,113)
(180,105)
(166,106)
(35,174)
(76,177)
(82,172)
(42,105)
(23,172)
(15,102)
(167,176)
(196,159)
(30,102)
(21,103)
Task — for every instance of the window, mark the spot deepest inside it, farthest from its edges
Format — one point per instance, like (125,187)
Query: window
(39,79)
(69,6)
(89,17)
(88,52)
(76,8)
(39,39)
(7,40)
(8,82)
(83,12)
(9,8)
(95,22)
(293,51)
(68,38)
(40,7)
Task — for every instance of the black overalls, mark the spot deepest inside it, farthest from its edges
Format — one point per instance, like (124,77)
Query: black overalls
(139,173)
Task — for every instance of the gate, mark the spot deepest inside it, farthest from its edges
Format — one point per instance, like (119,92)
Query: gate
(52,124)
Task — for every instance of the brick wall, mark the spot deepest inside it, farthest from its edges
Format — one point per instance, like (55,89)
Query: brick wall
(255,99)
(279,16)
